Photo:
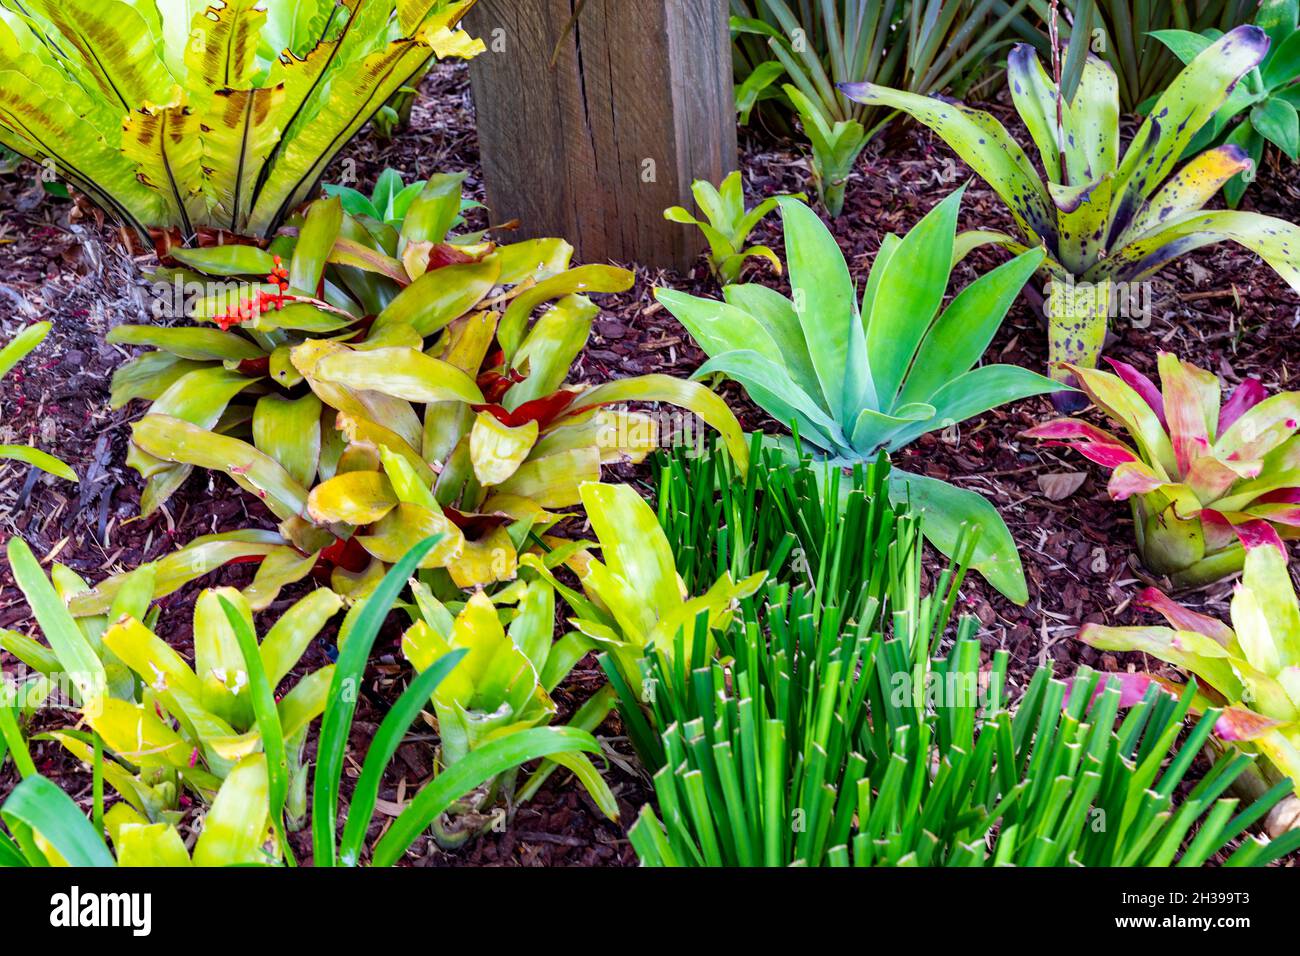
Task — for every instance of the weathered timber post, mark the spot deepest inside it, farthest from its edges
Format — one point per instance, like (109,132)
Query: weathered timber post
(594,144)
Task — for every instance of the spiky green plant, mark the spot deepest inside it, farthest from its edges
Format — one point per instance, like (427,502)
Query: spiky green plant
(858,375)
(818,746)
(1102,217)
(922,45)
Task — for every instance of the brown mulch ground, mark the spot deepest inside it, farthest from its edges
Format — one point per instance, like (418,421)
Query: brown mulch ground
(1218,307)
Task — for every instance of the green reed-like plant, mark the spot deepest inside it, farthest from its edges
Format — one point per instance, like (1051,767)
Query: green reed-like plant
(921,45)
(820,747)
(800,522)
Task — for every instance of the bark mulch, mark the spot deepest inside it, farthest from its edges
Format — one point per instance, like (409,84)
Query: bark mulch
(1219,307)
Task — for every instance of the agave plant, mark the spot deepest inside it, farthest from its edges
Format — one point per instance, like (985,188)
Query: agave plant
(1265,100)
(728,226)
(1104,218)
(858,380)
(185,120)
(502,688)
(921,45)
(1252,668)
(10,355)
(1197,466)
(632,597)
(168,725)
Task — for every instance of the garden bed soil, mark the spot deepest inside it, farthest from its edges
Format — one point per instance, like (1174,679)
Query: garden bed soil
(1219,307)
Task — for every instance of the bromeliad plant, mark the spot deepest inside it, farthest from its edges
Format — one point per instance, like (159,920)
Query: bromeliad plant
(1104,218)
(185,121)
(47,828)
(858,380)
(501,688)
(1265,100)
(1252,669)
(728,227)
(11,354)
(168,726)
(493,756)
(921,45)
(395,386)
(1196,467)
(632,598)
(390,201)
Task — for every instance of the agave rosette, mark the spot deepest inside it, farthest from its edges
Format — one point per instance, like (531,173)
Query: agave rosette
(858,373)
(167,725)
(1196,466)
(1104,217)
(1252,667)
(186,120)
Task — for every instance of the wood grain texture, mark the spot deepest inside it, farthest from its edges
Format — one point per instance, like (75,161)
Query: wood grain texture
(638,104)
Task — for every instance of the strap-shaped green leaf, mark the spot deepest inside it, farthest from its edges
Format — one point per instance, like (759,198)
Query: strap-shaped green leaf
(41,806)
(963,332)
(78,659)
(1187,105)
(948,514)
(824,300)
(907,297)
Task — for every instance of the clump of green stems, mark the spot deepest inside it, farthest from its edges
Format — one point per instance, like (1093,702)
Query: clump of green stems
(803,524)
(807,746)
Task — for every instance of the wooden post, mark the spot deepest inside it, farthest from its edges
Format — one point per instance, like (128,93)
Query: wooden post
(638,104)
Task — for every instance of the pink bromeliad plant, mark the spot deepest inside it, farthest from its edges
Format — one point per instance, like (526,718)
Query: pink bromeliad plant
(1250,669)
(1196,466)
